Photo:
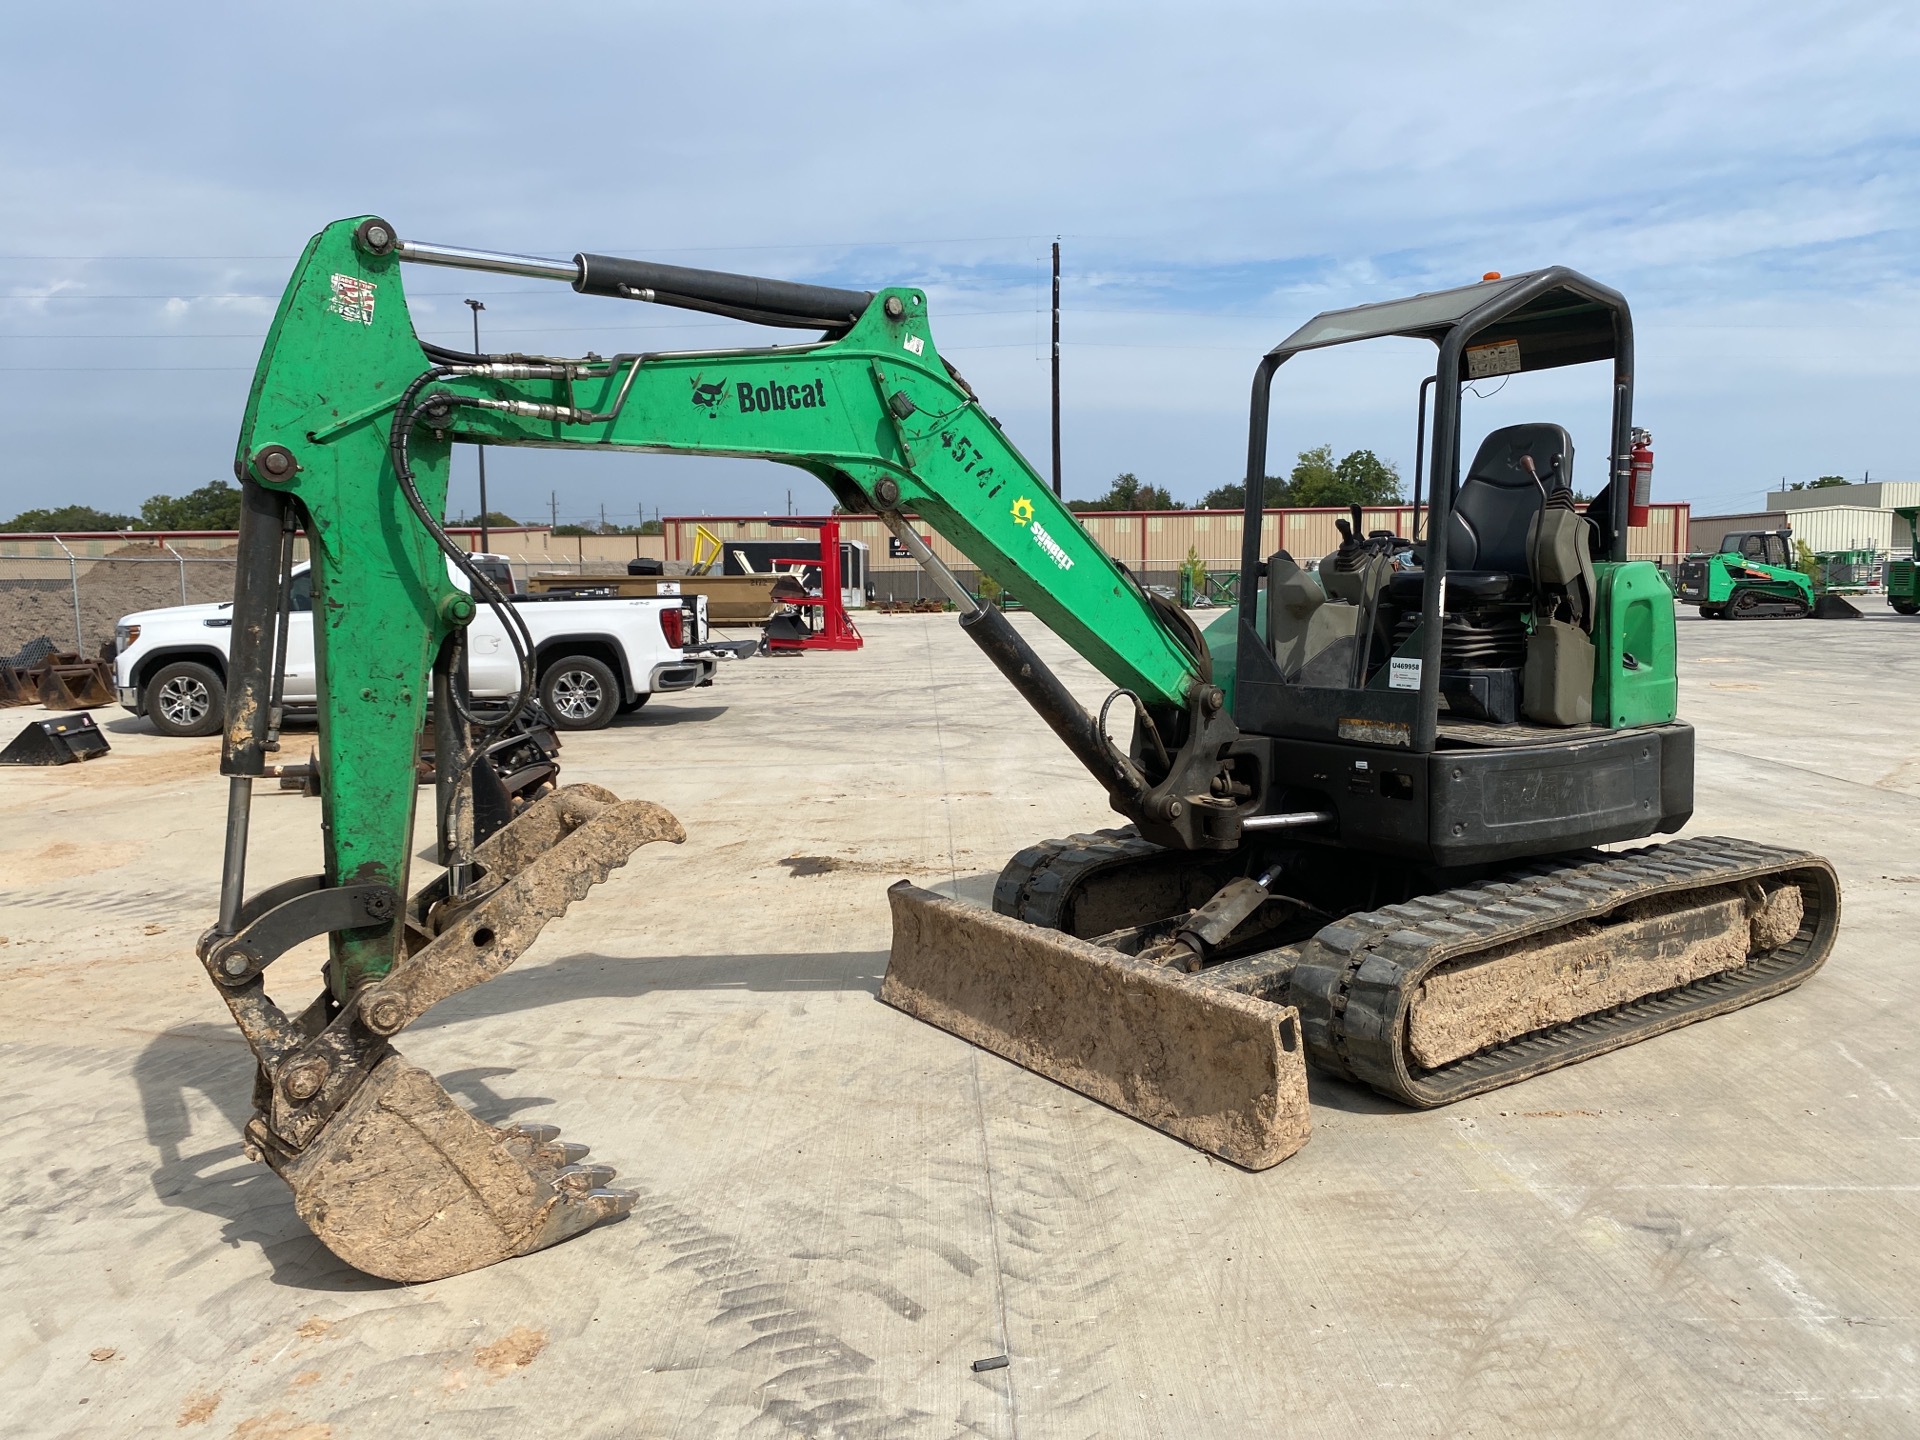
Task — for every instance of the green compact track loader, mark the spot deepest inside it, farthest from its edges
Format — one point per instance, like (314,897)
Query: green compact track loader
(1750,578)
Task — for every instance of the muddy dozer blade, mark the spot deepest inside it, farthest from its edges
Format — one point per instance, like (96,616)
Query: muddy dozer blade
(406,1185)
(70,683)
(1224,1072)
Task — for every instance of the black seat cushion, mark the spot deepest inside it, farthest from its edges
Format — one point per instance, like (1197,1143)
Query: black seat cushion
(1498,498)
(1465,588)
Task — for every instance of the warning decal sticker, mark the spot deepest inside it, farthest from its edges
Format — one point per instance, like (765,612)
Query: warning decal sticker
(352,299)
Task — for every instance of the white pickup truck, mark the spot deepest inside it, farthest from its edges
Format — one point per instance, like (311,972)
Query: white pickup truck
(593,658)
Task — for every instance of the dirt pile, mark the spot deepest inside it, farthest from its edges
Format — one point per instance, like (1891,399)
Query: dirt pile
(36,595)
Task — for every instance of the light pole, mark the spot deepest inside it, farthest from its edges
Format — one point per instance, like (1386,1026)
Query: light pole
(480,450)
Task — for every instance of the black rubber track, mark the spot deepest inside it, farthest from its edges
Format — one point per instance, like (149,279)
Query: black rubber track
(1354,980)
(1357,977)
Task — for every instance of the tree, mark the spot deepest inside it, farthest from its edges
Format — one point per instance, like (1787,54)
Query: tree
(1129,492)
(1360,478)
(1368,479)
(1827,482)
(1315,478)
(494,520)
(69,517)
(1234,496)
(214,506)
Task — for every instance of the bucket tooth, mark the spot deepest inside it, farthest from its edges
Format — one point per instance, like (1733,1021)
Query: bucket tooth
(584,1177)
(1223,1071)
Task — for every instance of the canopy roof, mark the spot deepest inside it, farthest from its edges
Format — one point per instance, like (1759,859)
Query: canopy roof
(1557,316)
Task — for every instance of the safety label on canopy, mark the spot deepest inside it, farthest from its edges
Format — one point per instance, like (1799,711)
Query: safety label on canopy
(1502,358)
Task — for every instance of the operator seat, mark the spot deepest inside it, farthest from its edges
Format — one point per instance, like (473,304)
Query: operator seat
(1491,575)
(1487,531)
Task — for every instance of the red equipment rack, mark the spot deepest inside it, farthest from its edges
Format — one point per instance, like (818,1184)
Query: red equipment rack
(831,630)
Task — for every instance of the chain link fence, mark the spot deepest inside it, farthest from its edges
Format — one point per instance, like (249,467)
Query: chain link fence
(75,601)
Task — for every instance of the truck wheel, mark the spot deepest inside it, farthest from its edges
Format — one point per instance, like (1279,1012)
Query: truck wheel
(635,703)
(1906,607)
(580,693)
(186,699)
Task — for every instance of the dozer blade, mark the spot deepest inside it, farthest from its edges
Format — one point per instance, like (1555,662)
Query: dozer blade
(390,1173)
(405,1184)
(1224,1072)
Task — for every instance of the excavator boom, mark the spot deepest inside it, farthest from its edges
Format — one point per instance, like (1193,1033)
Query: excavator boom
(348,433)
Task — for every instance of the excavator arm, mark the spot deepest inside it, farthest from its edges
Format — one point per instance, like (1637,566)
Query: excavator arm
(345,394)
(347,436)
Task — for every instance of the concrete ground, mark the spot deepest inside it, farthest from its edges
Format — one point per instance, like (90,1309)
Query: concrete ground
(1710,1233)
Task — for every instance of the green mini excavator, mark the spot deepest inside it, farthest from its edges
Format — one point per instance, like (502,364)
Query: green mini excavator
(1361,809)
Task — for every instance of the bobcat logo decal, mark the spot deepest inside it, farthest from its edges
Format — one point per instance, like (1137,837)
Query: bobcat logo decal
(708,397)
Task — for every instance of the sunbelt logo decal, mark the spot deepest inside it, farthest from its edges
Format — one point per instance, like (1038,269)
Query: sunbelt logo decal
(1050,547)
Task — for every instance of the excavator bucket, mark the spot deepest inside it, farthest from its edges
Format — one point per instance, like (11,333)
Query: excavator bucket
(13,689)
(70,682)
(398,1180)
(405,1184)
(1223,1071)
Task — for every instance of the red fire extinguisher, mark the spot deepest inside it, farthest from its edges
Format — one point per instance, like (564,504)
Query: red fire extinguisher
(1640,498)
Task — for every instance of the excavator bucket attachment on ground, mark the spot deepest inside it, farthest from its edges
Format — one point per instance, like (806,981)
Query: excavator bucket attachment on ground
(13,689)
(405,1184)
(56,742)
(399,1180)
(71,682)
(1224,1072)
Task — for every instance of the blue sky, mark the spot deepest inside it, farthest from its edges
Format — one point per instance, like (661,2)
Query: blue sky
(1217,173)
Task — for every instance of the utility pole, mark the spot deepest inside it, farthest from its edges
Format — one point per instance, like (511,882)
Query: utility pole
(1056,366)
(480,451)
(553,511)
